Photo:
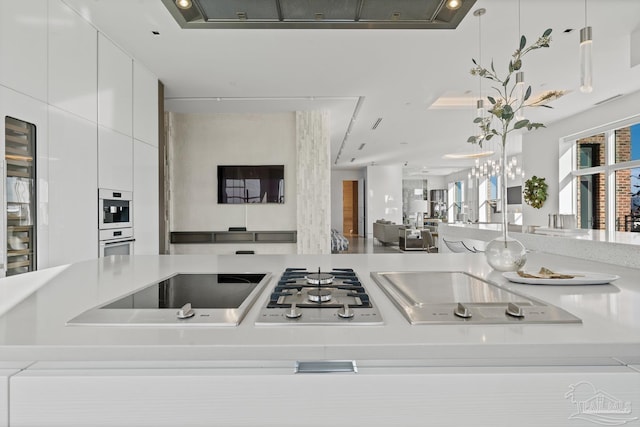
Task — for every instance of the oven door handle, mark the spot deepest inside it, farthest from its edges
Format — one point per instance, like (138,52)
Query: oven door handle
(119,242)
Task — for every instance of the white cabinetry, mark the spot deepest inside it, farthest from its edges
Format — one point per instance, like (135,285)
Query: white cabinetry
(115,87)
(23,47)
(115,160)
(4,395)
(73,205)
(145,105)
(78,88)
(384,396)
(145,198)
(72,62)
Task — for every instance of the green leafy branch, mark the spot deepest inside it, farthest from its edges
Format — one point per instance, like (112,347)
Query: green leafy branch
(505,106)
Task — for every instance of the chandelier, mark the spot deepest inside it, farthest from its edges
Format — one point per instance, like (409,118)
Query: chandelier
(493,167)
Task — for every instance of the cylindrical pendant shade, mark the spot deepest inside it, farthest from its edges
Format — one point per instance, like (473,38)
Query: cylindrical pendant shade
(519,95)
(480,111)
(586,71)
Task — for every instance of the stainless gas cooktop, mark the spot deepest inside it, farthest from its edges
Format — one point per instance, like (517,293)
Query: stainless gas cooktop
(304,297)
(446,297)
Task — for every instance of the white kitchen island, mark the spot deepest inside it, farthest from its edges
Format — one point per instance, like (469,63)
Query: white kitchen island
(412,375)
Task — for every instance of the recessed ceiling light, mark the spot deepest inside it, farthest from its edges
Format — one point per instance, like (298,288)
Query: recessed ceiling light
(155,33)
(568,30)
(183,4)
(454,4)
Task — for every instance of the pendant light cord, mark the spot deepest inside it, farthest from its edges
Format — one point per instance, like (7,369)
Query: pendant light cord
(519,31)
(585,13)
(480,53)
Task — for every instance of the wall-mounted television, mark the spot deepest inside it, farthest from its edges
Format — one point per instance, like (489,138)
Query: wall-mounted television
(514,195)
(251,184)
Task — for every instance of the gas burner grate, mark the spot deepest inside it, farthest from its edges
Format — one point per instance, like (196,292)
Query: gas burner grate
(343,299)
(293,282)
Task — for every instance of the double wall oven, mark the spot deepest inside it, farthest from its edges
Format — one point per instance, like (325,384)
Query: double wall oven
(115,219)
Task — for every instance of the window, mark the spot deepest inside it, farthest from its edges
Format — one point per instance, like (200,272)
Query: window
(591,151)
(627,143)
(493,188)
(455,200)
(607,180)
(591,202)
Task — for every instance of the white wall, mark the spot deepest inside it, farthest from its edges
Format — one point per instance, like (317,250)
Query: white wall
(337,176)
(49,68)
(198,143)
(384,195)
(541,149)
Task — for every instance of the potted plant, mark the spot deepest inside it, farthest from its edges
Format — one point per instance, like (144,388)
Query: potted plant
(535,192)
(505,253)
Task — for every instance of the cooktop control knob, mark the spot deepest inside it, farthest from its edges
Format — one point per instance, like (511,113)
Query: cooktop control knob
(294,312)
(515,309)
(345,312)
(185,312)
(462,311)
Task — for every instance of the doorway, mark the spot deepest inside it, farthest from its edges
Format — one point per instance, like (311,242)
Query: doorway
(350,208)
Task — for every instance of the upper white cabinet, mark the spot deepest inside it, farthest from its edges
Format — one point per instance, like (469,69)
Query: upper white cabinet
(115,160)
(115,87)
(145,105)
(145,198)
(73,195)
(73,66)
(23,47)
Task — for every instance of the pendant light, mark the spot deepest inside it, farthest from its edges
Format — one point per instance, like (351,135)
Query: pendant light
(586,41)
(519,88)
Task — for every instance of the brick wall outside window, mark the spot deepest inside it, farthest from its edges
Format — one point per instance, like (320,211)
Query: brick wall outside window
(623,178)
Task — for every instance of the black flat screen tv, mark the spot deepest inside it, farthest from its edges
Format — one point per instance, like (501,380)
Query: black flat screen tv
(514,195)
(250,184)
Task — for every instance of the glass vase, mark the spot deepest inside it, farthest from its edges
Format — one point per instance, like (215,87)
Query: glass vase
(505,253)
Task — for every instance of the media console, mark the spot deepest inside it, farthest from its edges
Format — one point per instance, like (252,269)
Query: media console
(185,237)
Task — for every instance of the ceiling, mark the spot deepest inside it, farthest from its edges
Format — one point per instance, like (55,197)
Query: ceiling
(391,77)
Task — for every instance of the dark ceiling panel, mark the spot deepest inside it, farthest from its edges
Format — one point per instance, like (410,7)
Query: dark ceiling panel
(402,10)
(316,14)
(312,10)
(255,10)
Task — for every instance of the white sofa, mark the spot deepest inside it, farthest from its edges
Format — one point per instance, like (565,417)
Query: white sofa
(386,232)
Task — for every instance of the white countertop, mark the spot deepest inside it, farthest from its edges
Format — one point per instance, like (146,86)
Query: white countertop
(35,329)
(621,249)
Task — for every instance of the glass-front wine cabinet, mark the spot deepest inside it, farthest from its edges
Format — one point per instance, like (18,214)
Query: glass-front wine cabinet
(20,195)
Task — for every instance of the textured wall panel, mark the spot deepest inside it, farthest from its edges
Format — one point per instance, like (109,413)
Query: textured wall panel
(314,182)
